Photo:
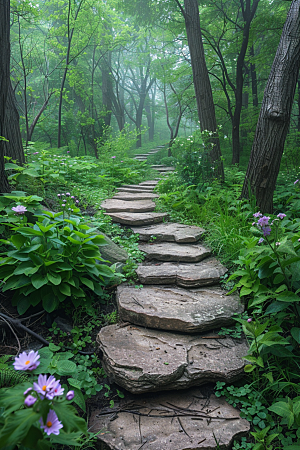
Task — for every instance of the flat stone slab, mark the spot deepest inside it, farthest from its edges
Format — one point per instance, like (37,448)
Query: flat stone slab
(170,232)
(204,273)
(136,186)
(141,190)
(189,420)
(152,183)
(177,309)
(144,360)
(135,196)
(138,218)
(116,205)
(165,169)
(171,251)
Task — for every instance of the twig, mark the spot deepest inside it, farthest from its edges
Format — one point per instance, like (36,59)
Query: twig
(13,331)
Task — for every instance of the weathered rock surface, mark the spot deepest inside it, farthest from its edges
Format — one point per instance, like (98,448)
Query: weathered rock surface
(141,190)
(136,186)
(176,309)
(142,360)
(137,218)
(170,232)
(135,196)
(116,205)
(152,183)
(165,169)
(111,251)
(204,273)
(171,251)
(189,420)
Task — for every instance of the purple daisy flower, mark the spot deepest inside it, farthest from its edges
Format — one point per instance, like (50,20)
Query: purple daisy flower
(19,209)
(30,400)
(45,385)
(263,221)
(27,361)
(258,214)
(53,425)
(281,215)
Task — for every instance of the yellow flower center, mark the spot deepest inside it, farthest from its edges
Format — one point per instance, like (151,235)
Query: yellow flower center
(44,387)
(49,424)
(27,362)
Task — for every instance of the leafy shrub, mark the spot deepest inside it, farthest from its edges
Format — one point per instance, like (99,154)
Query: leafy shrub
(54,260)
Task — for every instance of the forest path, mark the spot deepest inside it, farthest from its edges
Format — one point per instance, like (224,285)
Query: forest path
(168,338)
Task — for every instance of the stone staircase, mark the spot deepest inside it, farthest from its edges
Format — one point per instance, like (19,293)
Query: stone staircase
(166,352)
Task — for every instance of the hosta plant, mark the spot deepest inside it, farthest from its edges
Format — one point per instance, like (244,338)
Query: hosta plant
(53,261)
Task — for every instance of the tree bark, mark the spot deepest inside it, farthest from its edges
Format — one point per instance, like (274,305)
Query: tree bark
(107,89)
(203,91)
(253,79)
(274,119)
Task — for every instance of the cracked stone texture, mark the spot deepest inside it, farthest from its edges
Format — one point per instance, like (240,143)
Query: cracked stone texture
(171,421)
(141,189)
(135,196)
(165,169)
(177,309)
(137,218)
(203,273)
(171,251)
(171,232)
(136,186)
(143,360)
(116,205)
(151,183)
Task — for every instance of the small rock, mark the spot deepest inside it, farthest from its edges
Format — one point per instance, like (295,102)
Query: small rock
(169,251)
(170,232)
(116,205)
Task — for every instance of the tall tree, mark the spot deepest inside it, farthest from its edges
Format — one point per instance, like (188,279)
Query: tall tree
(203,91)
(275,114)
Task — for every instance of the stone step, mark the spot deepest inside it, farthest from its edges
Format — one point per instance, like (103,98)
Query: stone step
(177,309)
(135,190)
(171,251)
(155,166)
(144,360)
(136,187)
(165,169)
(189,420)
(140,154)
(129,196)
(170,232)
(152,183)
(203,273)
(137,219)
(116,205)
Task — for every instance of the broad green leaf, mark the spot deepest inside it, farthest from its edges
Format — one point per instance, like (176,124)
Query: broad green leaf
(54,278)
(65,289)
(17,427)
(26,231)
(295,332)
(65,367)
(288,296)
(39,280)
(50,304)
(68,415)
(87,282)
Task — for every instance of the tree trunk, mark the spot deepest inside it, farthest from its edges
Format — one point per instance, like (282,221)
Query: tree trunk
(107,89)
(274,119)
(253,79)
(204,97)
(13,148)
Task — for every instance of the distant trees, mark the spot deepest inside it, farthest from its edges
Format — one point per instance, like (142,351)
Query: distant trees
(275,114)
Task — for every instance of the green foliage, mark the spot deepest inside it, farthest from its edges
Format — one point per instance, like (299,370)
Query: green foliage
(55,260)
(9,377)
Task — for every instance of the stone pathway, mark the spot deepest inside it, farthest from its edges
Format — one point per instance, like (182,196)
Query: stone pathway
(168,338)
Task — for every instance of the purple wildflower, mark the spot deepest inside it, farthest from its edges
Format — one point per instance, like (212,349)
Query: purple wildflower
(27,391)
(35,153)
(70,395)
(68,194)
(77,201)
(53,425)
(19,209)
(27,361)
(30,400)
(253,223)
(266,231)
(58,195)
(121,161)
(63,205)
(48,387)
(263,221)
(261,240)
(297,181)
(258,214)
(72,196)
(68,151)
(113,157)
(249,320)
(281,215)
(277,244)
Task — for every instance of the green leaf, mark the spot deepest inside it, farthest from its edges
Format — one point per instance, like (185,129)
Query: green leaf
(295,332)
(50,303)
(54,278)
(39,280)
(26,231)
(75,383)
(16,427)
(68,415)
(65,289)
(288,296)
(65,367)
(87,282)
(79,399)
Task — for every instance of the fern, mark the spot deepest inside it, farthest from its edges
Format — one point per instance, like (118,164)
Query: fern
(10,377)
